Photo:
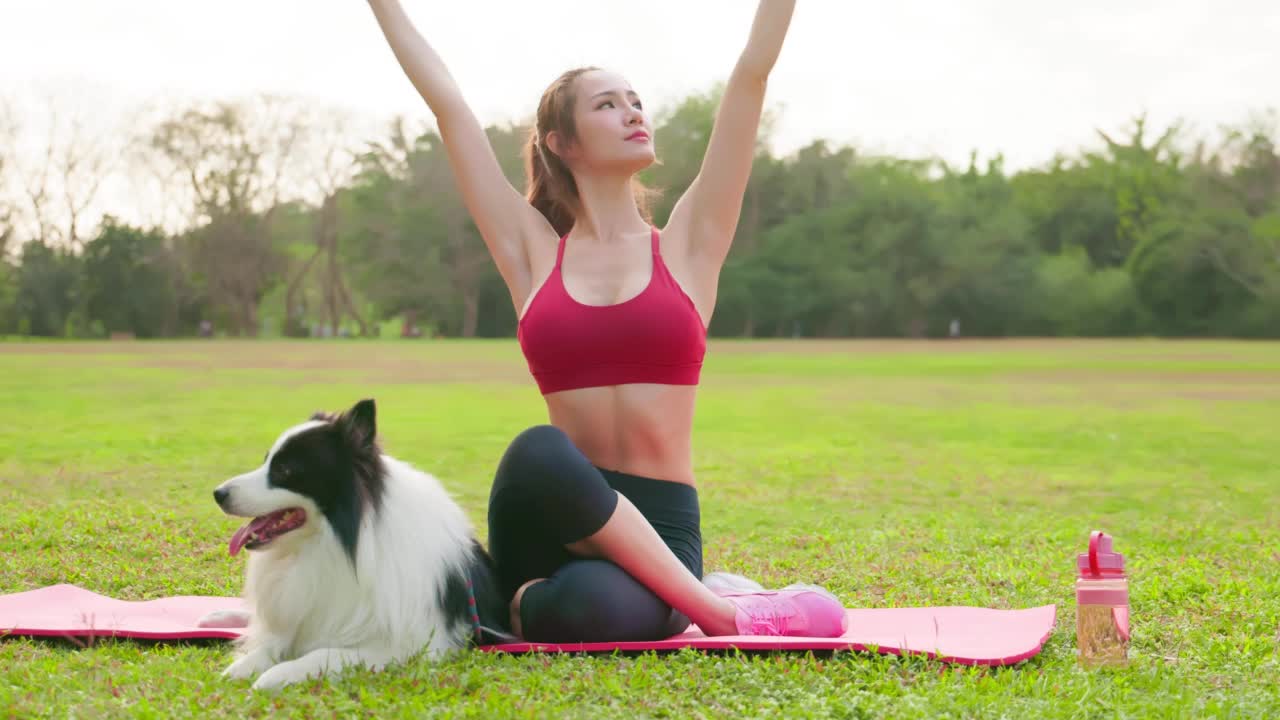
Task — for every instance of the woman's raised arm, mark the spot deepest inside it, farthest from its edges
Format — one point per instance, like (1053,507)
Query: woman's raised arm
(711,205)
(504,217)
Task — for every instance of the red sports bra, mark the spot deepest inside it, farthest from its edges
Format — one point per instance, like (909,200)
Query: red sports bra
(654,337)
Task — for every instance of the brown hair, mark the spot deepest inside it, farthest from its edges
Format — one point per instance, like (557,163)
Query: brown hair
(550,187)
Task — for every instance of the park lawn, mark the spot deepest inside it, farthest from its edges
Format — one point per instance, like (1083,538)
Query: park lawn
(894,473)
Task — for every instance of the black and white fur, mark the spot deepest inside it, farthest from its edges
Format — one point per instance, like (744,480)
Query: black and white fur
(376,573)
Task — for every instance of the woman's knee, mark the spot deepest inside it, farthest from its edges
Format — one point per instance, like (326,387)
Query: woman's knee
(544,475)
(593,601)
(536,454)
(537,446)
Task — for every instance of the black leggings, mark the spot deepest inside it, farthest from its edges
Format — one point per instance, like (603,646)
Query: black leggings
(546,495)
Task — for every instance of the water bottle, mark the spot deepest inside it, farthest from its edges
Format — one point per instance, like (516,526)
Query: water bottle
(1102,604)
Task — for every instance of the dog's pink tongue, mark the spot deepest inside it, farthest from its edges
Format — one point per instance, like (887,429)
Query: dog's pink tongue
(242,535)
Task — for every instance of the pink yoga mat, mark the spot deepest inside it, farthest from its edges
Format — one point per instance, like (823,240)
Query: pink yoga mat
(67,610)
(964,635)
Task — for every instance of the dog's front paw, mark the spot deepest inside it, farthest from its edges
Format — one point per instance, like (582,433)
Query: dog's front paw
(286,673)
(248,666)
(224,619)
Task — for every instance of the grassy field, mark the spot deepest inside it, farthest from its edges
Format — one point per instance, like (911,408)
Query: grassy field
(895,474)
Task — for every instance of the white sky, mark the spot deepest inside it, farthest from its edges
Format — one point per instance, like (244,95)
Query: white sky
(908,77)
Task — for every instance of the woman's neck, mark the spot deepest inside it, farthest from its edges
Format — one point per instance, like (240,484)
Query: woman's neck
(608,209)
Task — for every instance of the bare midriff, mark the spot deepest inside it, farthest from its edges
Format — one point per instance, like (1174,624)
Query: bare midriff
(639,429)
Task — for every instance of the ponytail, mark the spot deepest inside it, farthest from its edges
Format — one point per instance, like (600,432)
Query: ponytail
(552,190)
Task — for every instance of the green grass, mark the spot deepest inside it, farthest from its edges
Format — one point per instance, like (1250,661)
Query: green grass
(895,474)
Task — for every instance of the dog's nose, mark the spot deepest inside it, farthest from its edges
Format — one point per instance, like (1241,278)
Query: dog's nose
(220,495)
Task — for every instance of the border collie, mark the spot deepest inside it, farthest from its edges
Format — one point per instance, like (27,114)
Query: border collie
(355,559)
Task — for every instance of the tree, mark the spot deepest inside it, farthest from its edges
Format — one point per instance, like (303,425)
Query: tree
(1242,182)
(45,296)
(1069,205)
(867,265)
(127,282)
(8,207)
(394,235)
(237,160)
(60,183)
(414,246)
(1143,178)
(332,168)
(8,279)
(987,253)
(1209,263)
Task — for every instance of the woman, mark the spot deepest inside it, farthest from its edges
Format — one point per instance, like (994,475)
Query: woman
(594,521)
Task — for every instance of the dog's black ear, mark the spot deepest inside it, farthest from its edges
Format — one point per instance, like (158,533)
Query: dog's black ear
(361,422)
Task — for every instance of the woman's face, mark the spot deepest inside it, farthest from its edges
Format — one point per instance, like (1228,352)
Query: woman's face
(614,135)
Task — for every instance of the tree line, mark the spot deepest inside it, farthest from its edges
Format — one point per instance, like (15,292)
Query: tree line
(280,223)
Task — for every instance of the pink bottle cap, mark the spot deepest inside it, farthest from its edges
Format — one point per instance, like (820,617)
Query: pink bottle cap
(1100,561)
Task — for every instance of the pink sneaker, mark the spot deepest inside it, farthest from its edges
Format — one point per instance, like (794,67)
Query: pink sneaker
(795,611)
